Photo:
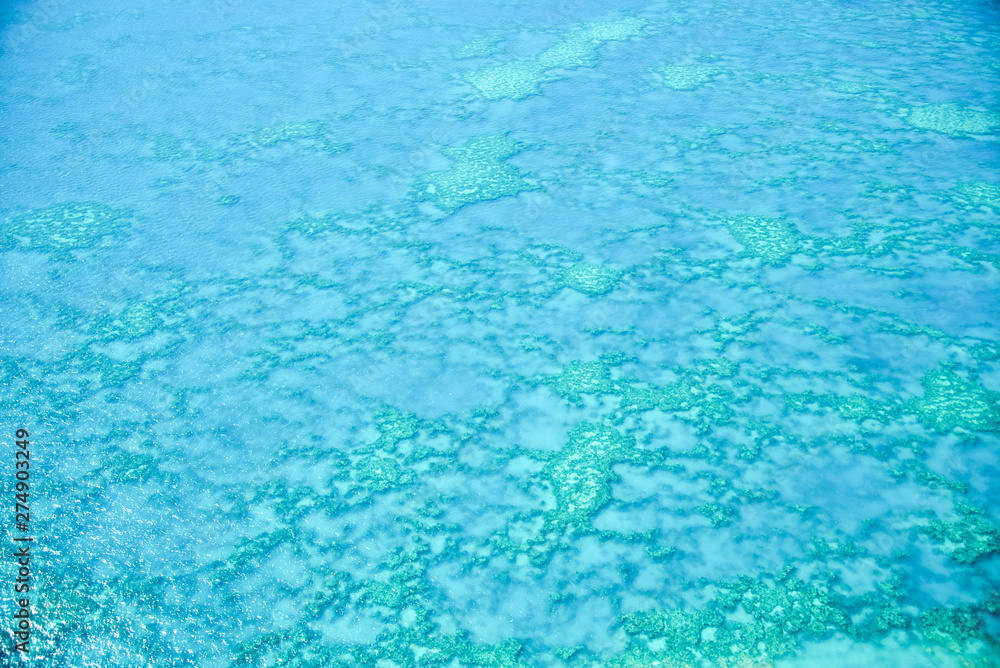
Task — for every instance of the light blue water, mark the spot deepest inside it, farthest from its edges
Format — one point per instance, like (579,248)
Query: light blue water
(402,334)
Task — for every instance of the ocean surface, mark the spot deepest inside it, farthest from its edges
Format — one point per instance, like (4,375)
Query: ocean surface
(515,334)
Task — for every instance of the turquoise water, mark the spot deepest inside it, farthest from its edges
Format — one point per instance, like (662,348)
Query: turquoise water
(401,334)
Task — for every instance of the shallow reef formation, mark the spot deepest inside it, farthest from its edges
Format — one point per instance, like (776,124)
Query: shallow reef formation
(577,48)
(773,240)
(952,401)
(66,227)
(953,119)
(590,279)
(478,174)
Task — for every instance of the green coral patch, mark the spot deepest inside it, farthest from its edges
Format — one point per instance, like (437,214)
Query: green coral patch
(691,398)
(248,551)
(721,367)
(854,406)
(480,47)
(590,279)
(310,133)
(382,473)
(773,240)
(519,79)
(491,148)
(953,119)
(282,132)
(967,539)
(951,401)
(852,87)
(66,227)
(477,174)
(951,628)
(393,427)
(579,378)
(515,80)
(711,401)
(581,473)
(392,594)
(135,321)
(979,193)
(126,466)
(859,407)
(777,616)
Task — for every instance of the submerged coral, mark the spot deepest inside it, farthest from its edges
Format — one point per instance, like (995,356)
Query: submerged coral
(953,119)
(687,77)
(66,227)
(773,240)
(590,279)
(578,48)
(952,401)
(478,174)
